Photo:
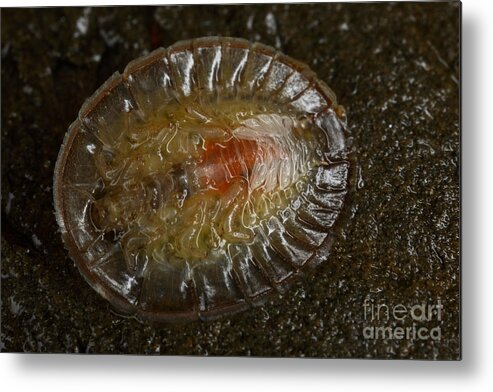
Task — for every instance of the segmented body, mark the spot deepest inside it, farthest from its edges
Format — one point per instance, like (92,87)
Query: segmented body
(204,178)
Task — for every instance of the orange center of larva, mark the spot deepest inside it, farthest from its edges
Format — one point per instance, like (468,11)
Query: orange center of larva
(227,161)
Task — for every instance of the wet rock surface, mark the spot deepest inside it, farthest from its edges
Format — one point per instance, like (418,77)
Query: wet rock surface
(396,70)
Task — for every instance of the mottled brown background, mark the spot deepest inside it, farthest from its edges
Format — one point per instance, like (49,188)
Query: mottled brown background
(396,70)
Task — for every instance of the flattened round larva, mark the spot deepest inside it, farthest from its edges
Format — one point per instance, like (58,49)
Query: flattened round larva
(207,176)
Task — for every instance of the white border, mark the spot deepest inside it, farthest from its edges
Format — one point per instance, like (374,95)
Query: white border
(87,373)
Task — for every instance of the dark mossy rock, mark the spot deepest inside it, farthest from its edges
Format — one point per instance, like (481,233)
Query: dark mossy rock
(395,67)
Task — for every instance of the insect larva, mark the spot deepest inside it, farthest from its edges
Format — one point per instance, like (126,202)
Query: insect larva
(203,178)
